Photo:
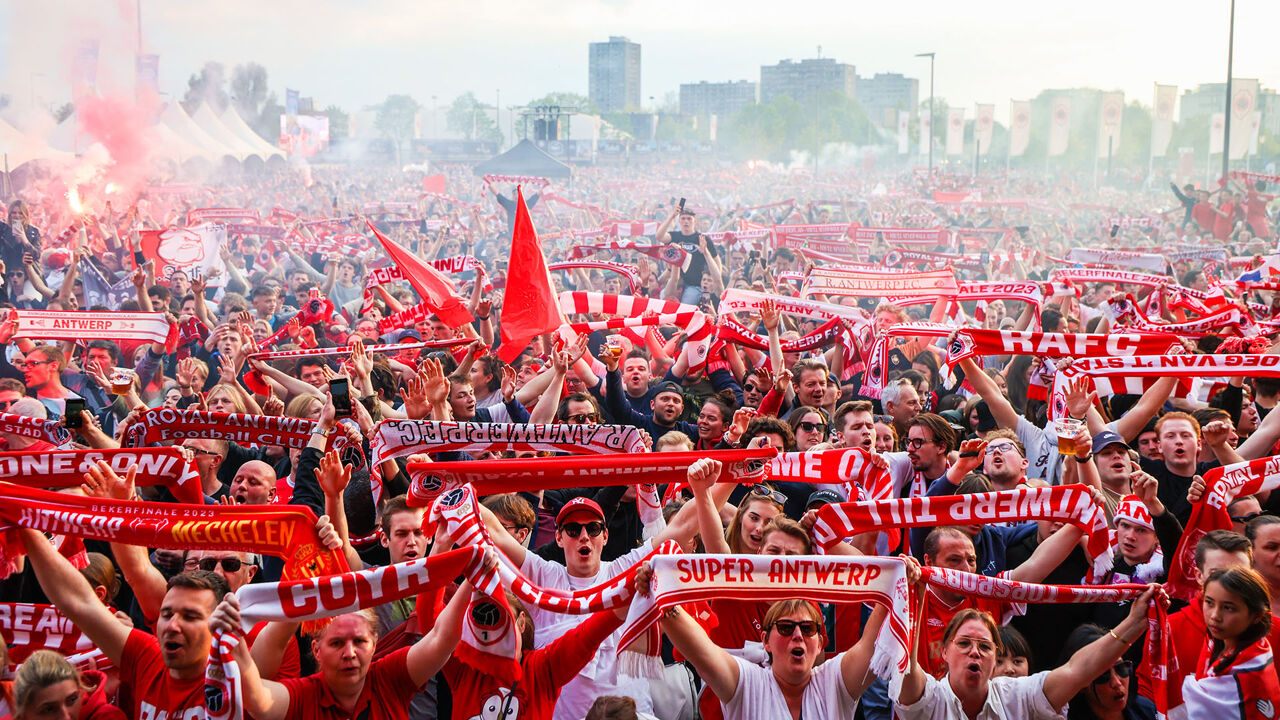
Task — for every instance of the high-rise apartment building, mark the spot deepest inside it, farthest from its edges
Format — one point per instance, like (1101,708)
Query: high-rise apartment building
(807,78)
(613,82)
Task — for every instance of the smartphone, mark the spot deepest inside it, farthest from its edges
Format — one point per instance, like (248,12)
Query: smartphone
(681,204)
(1114,229)
(341,392)
(71,418)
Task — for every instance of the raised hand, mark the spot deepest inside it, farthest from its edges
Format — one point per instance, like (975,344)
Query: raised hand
(332,475)
(273,406)
(972,453)
(103,482)
(414,394)
(361,361)
(436,385)
(769,315)
(1079,396)
(509,382)
(703,473)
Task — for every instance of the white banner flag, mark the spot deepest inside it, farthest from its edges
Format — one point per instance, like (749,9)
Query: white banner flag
(955,131)
(1162,119)
(926,132)
(1244,103)
(1110,115)
(1059,125)
(904,132)
(1019,127)
(984,121)
(1216,123)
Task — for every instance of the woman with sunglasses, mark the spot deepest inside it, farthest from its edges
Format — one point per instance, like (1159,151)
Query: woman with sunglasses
(970,646)
(1108,697)
(810,426)
(1236,673)
(790,686)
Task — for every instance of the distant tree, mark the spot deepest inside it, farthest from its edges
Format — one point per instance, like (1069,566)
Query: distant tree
(339,123)
(567,99)
(468,116)
(395,120)
(207,86)
(267,123)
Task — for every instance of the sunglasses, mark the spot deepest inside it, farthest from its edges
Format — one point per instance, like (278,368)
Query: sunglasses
(766,492)
(885,419)
(1122,670)
(6,404)
(807,426)
(751,388)
(32,363)
(1247,518)
(573,530)
(787,628)
(583,418)
(229,564)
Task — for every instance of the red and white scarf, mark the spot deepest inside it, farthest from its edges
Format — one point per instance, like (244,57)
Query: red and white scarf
(313,599)
(1232,318)
(972,341)
(1222,485)
(50,431)
(1104,275)
(75,325)
(389,348)
(736,300)
(1065,503)
(730,330)
(1157,646)
(921,259)
(517,180)
(66,468)
(699,332)
(491,477)
(1123,258)
(285,531)
(315,311)
(860,283)
(1241,686)
(171,425)
(200,215)
(912,237)
(627,271)
(27,628)
(681,579)
(670,253)
(400,438)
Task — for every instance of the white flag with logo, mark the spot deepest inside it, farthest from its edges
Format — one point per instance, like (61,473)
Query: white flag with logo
(1216,123)
(1162,119)
(1244,103)
(904,132)
(1019,127)
(984,121)
(926,132)
(1059,125)
(1110,115)
(955,131)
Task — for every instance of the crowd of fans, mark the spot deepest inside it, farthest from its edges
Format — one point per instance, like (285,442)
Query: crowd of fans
(982,424)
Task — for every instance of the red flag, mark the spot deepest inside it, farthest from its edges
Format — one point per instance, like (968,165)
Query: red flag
(529,307)
(436,290)
(435,184)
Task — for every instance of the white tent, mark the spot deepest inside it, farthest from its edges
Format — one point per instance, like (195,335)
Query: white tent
(18,148)
(170,145)
(67,137)
(177,120)
(209,122)
(236,124)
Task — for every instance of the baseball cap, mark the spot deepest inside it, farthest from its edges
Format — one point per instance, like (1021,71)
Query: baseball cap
(408,334)
(986,421)
(667,386)
(822,497)
(1105,438)
(576,504)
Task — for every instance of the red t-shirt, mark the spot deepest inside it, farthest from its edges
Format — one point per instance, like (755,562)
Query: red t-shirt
(290,662)
(1223,224)
(152,693)
(386,693)
(1202,213)
(1255,210)
(543,672)
(738,622)
(937,615)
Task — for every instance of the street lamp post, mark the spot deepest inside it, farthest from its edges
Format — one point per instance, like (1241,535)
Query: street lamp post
(434,135)
(1226,120)
(931,118)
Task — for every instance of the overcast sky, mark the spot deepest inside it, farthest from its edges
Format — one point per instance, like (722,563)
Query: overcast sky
(354,53)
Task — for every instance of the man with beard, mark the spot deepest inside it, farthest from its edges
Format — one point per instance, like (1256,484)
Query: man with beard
(924,462)
(1005,462)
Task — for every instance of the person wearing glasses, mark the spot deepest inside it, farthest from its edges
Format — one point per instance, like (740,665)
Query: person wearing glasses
(810,425)
(581,532)
(793,684)
(42,373)
(970,645)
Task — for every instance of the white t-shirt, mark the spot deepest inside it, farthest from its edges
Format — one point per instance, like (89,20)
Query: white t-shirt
(1007,699)
(600,676)
(758,696)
